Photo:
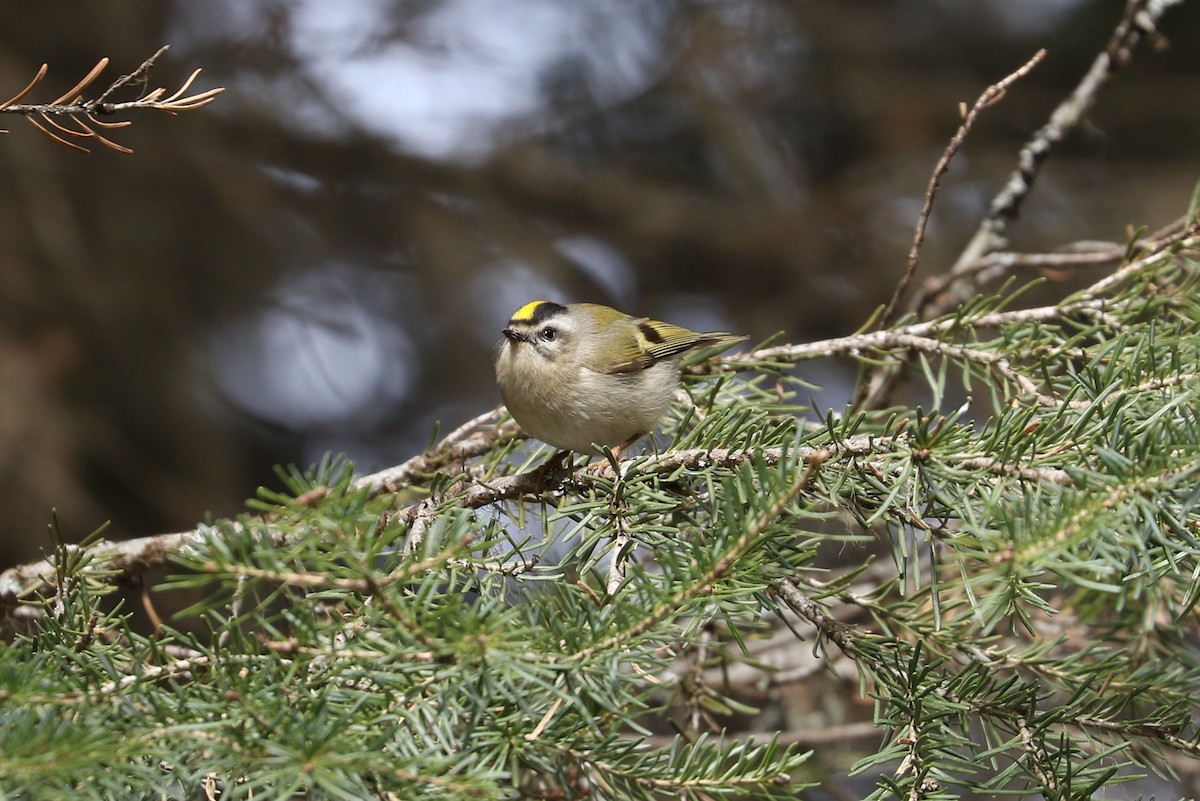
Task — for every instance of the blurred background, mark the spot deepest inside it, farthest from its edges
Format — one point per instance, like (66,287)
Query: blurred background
(322,259)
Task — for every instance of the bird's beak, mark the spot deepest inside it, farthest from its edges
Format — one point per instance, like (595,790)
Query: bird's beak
(514,337)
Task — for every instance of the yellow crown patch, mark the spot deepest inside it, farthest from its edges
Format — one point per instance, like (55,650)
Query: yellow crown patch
(527,311)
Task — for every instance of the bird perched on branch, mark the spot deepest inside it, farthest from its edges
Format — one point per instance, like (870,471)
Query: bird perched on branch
(583,374)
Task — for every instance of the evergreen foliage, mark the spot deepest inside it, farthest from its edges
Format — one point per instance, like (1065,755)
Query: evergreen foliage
(1005,567)
(470,627)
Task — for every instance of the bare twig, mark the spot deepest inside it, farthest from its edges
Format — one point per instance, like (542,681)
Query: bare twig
(1139,20)
(875,386)
(992,95)
(1188,239)
(1038,761)
(896,339)
(139,74)
(834,630)
(1071,257)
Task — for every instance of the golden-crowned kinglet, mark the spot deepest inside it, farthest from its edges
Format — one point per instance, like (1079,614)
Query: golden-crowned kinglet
(583,373)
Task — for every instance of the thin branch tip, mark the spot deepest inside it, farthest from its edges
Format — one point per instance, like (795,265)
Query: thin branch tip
(990,96)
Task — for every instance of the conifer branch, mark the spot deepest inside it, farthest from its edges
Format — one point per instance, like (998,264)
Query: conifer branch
(313,580)
(719,570)
(486,433)
(1006,571)
(83,118)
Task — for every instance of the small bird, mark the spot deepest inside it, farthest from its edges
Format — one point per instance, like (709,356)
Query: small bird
(583,374)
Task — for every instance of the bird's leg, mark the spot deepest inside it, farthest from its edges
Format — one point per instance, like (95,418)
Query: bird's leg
(614,454)
(617,450)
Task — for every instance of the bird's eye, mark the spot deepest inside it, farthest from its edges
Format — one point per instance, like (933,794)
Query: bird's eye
(548,334)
